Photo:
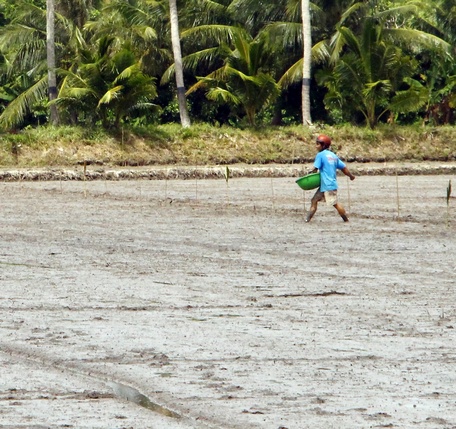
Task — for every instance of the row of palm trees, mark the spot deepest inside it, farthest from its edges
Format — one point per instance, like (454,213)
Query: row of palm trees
(227,61)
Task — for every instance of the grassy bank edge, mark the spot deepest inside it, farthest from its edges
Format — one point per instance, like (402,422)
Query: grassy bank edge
(202,145)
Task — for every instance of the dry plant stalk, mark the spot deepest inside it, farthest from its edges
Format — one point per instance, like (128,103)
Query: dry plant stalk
(84,179)
(397,197)
(227,178)
(273,196)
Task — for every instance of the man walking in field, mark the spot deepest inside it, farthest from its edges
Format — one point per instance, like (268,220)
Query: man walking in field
(327,163)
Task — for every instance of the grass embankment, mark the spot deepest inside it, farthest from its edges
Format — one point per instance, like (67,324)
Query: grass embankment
(205,145)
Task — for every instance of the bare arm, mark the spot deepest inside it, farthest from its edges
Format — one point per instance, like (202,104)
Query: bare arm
(346,171)
(312,171)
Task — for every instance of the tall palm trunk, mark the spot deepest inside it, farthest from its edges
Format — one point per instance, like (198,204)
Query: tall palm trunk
(307,59)
(50,51)
(175,40)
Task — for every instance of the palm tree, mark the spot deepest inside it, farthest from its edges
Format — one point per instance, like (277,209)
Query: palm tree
(77,11)
(143,24)
(50,51)
(306,62)
(433,90)
(34,44)
(23,44)
(367,68)
(363,80)
(151,27)
(295,30)
(253,15)
(175,40)
(108,85)
(242,80)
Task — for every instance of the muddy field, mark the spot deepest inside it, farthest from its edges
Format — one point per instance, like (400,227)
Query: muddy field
(187,304)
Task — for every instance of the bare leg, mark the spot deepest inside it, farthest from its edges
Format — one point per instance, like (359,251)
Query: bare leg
(340,209)
(311,212)
(319,196)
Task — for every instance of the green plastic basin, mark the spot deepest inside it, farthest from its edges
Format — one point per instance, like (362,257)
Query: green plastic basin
(311,181)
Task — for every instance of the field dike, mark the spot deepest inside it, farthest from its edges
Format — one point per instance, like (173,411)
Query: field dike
(90,173)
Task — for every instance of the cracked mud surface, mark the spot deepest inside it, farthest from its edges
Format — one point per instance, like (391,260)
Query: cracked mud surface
(216,301)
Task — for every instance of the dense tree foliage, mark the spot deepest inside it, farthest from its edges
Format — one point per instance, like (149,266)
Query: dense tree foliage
(242,62)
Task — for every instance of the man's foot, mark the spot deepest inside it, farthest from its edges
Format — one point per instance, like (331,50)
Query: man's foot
(345,218)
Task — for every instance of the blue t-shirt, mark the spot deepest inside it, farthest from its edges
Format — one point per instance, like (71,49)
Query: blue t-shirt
(327,163)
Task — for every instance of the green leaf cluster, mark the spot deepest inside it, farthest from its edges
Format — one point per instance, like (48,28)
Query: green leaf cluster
(373,61)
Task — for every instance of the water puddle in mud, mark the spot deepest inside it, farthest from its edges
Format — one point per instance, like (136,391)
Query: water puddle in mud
(133,395)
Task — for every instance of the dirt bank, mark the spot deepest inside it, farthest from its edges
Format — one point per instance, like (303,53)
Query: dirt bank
(90,172)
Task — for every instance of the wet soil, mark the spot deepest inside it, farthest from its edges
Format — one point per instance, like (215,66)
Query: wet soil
(206,303)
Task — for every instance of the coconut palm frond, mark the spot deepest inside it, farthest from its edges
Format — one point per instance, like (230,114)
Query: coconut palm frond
(358,6)
(268,90)
(15,112)
(243,49)
(17,35)
(451,80)
(216,33)
(320,52)
(202,83)
(406,9)
(371,89)
(289,34)
(126,73)
(407,101)
(205,57)
(168,75)
(418,40)
(110,95)
(292,75)
(71,81)
(231,71)
(211,7)
(223,95)
(337,44)
(130,11)
(145,106)
(29,12)
(149,33)
(25,47)
(210,80)
(350,70)
(349,38)
(412,99)
(78,93)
